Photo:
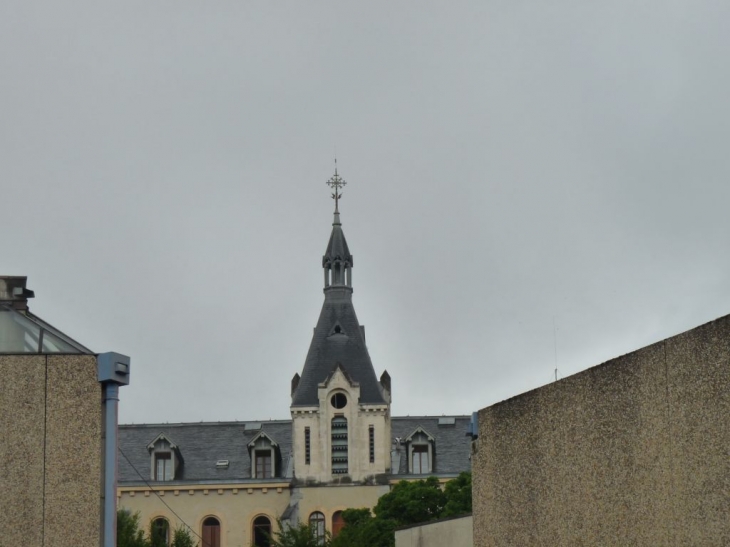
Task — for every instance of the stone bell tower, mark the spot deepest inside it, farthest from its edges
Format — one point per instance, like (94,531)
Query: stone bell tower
(340,411)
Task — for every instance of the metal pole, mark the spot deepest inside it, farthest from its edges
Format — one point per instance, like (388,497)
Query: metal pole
(111,402)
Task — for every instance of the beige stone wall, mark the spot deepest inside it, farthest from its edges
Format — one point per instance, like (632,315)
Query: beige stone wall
(359,419)
(330,499)
(631,452)
(234,506)
(50,451)
(456,532)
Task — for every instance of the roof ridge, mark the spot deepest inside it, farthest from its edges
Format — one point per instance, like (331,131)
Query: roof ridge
(185,424)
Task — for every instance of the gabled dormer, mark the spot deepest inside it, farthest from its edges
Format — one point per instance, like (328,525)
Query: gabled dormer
(165,459)
(421,449)
(265,457)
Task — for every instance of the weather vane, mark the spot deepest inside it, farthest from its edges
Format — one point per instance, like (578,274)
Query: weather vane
(336,183)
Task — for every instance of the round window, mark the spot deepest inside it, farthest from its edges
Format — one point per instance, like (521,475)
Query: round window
(339,400)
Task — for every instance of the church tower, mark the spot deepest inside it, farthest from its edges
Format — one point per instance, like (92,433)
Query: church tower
(340,411)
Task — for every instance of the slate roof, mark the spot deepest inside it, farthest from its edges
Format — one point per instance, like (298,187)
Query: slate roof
(452,446)
(329,348)
(201,445)
(337,247)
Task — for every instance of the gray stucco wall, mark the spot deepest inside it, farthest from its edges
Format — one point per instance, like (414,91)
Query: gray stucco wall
(454,532)
(635,451)
(50,451)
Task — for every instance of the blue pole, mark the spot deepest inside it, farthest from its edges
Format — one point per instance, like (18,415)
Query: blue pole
(111,402)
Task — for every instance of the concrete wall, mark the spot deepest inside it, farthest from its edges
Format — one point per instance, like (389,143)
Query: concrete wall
(456,532)
(50,451)
(632,452)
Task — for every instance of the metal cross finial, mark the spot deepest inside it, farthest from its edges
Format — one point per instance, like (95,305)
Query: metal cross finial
(336,183)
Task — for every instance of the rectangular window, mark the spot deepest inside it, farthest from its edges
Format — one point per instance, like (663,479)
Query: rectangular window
(339,445)
(306,446)
(263,464)
(163,466)
(420,460)
(371,431)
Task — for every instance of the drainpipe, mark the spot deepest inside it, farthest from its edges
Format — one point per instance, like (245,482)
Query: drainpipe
(113,371)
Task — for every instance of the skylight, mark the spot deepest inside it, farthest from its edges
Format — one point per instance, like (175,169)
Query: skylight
(26,333)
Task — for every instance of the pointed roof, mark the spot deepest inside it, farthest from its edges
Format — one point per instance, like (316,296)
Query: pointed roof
(337,339)
(337,249)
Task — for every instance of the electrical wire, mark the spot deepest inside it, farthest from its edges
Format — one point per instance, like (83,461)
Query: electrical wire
(205,544)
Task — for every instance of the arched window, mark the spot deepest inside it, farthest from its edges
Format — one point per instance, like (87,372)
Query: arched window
(262,532)
(316,523)
(338,523)
(339,445)
(160,532)
(211,532)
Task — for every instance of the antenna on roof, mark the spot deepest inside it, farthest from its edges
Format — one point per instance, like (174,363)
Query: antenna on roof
(555,347)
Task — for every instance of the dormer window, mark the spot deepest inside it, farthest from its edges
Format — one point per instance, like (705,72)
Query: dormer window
(164,470)
(264,452)
(263,464)
(420,452)
(165,459)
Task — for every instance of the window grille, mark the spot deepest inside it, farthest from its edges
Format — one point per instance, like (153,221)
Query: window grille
(307,447)
(371,432)
(339,445)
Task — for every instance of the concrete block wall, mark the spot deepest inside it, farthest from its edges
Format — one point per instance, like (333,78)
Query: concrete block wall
(50,451)
(635,451)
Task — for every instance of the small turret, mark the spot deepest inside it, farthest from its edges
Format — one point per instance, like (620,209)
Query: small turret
(337,260)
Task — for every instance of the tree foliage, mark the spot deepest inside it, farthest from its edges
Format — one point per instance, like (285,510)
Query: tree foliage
(406,504)
(458,496)
(363,530)
(129,533)
(158,536)
(183,538)
(298,535)
(412,502)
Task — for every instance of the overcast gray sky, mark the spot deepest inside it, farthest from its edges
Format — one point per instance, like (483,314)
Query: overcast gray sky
(511,166)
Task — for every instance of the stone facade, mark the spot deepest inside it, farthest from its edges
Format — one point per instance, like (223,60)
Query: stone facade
(360,419)
(630,452)
(50,451)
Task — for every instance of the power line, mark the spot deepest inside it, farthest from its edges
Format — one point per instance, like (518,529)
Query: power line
(162,500)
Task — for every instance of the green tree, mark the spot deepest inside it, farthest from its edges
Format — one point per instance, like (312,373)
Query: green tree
(298,535)
(363,530)
(183,538)
(159,533)
(129,533)
(458,496)
(412,502)
(407,503)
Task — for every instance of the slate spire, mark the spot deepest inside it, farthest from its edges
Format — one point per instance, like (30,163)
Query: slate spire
(338,338)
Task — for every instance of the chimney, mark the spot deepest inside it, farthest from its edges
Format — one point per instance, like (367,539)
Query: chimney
(13,292)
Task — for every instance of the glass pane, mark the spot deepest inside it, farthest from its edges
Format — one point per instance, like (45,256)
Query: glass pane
(17,334)
(21,333)
(52,344)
